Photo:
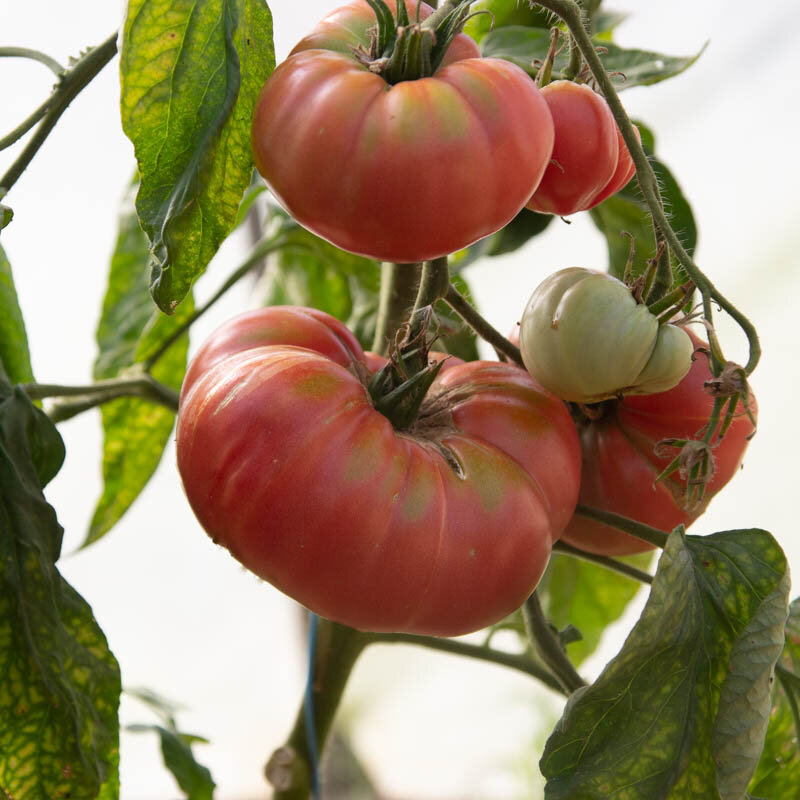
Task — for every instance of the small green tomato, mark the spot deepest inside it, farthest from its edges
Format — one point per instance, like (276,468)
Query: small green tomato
(584,337)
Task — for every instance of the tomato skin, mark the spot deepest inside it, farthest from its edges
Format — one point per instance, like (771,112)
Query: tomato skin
(442,529)
(590,160)
(399,173)
(619,463)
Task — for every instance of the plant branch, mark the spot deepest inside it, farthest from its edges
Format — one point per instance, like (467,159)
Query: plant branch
(515,661)
(604,561)
(71,83)
(459,304)
(26,124)
(35,55)
(653,536)
(399,288)
(548,645)
(570,12)
(95,394)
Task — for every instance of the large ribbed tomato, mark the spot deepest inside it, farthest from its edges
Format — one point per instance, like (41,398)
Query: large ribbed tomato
(442,528)
(620,463)
(403,172)
(590,160)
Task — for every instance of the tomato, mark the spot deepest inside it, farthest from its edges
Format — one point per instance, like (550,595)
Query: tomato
(584,337)
(620,465)
(442,528)
(590,160)
(404,172)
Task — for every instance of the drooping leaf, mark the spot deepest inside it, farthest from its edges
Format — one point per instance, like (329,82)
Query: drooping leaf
(191,73)
(15,358)
(135,431)
(669,717)
(588,596)
(778,772)
(628,67)
(627,211)
(59,732)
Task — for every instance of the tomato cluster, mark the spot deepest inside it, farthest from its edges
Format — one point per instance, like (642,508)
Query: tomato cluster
(442,524)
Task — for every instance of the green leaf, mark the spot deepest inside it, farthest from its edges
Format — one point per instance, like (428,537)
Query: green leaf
(59,732)
(487,15)
(191,73)
(176,747)
(682,710)
(135,431)
(455,336)
(778,772)
(626,211)
(6,215)
(15,358)
(628,68)
(588,596)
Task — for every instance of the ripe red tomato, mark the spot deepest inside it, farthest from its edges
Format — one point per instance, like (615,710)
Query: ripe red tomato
(590,160)
(441,529)
(620,465)
(404,172)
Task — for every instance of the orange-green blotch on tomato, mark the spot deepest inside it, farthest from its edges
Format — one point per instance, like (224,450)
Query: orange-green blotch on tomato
(404,172)
(442,528)
(584,337)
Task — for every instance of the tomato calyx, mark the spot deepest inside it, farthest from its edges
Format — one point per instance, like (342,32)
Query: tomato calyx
(398,389)
(402,50)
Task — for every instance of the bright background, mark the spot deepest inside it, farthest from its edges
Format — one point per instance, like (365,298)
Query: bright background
(181,616)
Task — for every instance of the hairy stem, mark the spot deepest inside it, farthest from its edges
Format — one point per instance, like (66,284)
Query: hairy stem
(546,642)
(399,288)
(612,564)
(649,534)
(570,12)
(459,304)
(26,124)
(72,82)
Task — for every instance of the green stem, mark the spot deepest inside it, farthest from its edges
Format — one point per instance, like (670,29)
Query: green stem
(95,394)
(548,645)
(570,12)
(433,285)
(260,251)
(71,84)
(604,561)
(399,288)
(649,534)
(515,661)
(337,650)
(35,55)
(459,304)
(26,124)
(574,67)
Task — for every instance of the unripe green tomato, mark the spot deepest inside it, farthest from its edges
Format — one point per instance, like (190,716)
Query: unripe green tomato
(584,337)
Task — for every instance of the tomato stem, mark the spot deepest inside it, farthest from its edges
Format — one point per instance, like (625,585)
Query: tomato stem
(546,641)
(640,530)
(399,288)
(571,13)
(459,304)
(612,564)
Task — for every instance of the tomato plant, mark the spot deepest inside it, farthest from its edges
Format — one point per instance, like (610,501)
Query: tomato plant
(623,459)
(585,337)
(590,160)
(366,163)
(442,528)
(399,495)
